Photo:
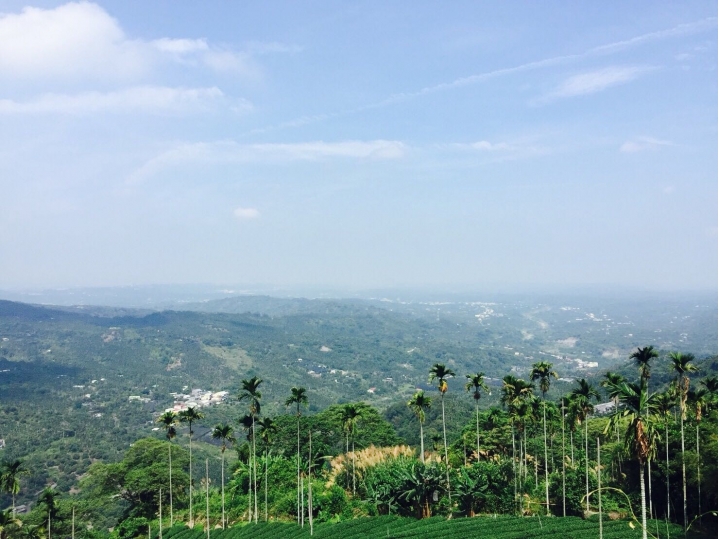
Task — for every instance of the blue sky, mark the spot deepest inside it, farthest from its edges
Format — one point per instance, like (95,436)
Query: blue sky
(359,145)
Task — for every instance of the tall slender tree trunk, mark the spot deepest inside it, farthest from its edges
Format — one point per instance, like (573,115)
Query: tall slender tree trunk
(191,521)
(682,455)
(207,498)
(222,485)
(170,472)
(422,444)
(159,517)
(266,485)
(447,462)
(254,468)
(310,503)
(599,488)
(587,470)
(299,490)
(353,461)
(477,428)
(515,473)
(563,455)
(302,502)
(697,449)
(547,481)
(525,451)
(642,501)
(650,500)
(250,488)
(667,477)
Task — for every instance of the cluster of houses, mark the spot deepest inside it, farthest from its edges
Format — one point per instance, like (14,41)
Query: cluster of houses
(197,398)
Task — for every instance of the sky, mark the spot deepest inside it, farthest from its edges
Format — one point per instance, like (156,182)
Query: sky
(359,144)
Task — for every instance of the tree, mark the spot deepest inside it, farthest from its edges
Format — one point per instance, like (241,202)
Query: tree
(515,393)
(8,523)
(642,358)
(699,401)
(247,423)
(639,407)
(168,420)
(10,473)
(441,373)
(138,477)
(350,416)
(476,382)
(665,402)
(190,416)
(681,364)
(267,432)
(224,433)
(582,397)
(250,392)
(48,498)
(298,397)
(542,372)
(419,403)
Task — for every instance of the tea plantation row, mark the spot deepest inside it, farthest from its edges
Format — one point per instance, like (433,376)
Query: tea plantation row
(436,527)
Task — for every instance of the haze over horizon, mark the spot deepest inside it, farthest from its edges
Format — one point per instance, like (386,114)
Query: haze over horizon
(356,147)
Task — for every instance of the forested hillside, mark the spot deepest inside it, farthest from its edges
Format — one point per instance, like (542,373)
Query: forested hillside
(81,385)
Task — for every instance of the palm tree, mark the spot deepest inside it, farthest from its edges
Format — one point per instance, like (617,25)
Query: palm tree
(642,358)
(665,404)
(515,393)
(639,407)
(168,420)
(298,397)
(246,423)
(582,397)
(10,473)
(350,416)
(224,433)
(48,498)
(681,364)
(542,372)
(7,522)
(699,400)
(476,382)
(419,403)
(250,393)
(190,416)
(268,429)
(441,373)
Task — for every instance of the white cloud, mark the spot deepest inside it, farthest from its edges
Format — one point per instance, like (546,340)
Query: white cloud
(597,81)
(75,39)
(643,143)
(81,40)
(518,149)
(484,145)
(147,99)
(180,46)
(232,152)
(245,214)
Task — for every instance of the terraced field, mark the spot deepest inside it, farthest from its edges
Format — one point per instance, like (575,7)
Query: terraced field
(436,527)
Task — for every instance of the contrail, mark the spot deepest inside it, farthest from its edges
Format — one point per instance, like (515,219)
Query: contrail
(609,48)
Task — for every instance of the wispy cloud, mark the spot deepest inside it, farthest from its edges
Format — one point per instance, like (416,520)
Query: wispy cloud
(640,144)
(245,214)
(596,81)
(702,25)
(145,99)
(503,150)
(232,152)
